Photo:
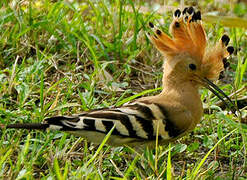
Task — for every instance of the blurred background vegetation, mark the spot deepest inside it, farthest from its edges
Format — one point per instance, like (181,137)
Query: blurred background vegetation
(64,57)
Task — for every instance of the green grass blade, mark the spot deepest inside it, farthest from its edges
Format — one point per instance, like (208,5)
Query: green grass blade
(131,167)
(65,106)
(197,168)
(136,96)
(57,170)
(3,158)
(42,95)
(100,147)
(66,170)
(169,164)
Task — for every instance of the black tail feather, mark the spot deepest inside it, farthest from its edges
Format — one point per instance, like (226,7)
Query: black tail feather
(29,126)
(52,122)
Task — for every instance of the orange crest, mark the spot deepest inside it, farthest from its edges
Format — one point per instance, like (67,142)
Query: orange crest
(188,36)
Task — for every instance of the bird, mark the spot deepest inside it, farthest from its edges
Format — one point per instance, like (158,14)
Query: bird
(190,63)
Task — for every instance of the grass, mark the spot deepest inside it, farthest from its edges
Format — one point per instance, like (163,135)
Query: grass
(64,58)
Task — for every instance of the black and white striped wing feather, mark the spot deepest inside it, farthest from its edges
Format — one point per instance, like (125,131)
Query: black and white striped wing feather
(135,123)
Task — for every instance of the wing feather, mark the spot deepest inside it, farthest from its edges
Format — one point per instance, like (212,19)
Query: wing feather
(135,122)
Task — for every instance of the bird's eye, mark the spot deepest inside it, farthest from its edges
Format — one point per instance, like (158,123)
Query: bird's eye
(192,66)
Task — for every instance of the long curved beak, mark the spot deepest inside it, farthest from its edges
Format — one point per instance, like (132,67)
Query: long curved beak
(219,93)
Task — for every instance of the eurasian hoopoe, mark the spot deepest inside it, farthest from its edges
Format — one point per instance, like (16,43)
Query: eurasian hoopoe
(170,114)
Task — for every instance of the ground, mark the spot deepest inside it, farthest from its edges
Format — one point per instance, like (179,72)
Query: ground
(64,57)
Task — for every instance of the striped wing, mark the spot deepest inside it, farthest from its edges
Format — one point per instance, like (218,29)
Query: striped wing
(136,122)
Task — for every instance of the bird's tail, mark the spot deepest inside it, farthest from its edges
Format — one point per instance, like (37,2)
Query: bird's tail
(53,123)
(30,126)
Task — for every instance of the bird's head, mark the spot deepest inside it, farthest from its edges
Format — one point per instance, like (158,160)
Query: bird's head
(188,56)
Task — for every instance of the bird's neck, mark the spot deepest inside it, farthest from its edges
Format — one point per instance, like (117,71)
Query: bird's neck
(182,91)
(180,84)
(183,94)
